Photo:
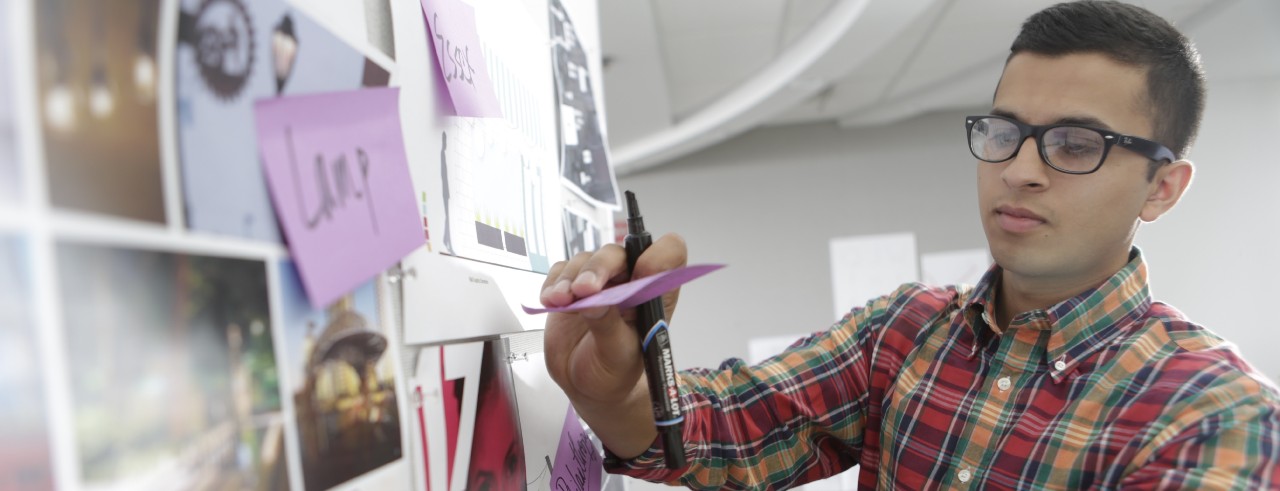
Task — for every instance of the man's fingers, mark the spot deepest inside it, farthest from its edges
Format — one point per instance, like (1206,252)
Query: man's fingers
(607,264)
(666,253)
(553,275)
(589,272)
(555,289)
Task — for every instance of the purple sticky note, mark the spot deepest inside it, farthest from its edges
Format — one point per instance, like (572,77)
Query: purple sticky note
(578,464)
(634,293)
(451,27)
(338,176)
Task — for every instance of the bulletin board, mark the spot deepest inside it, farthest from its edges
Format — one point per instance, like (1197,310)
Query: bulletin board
(159,319)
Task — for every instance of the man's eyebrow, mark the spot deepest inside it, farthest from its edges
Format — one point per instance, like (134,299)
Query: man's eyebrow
(1077,120)
(1008,114)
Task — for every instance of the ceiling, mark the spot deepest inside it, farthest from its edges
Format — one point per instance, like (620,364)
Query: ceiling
(681,75)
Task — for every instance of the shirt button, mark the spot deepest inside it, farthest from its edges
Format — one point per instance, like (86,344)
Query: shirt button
(1003,383)
(965,475)
(1059,365)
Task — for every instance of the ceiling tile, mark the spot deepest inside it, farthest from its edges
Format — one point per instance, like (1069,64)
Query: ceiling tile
(635,80)
(870,83)
(970,32)
(686,16)
(800,16)
(702,66)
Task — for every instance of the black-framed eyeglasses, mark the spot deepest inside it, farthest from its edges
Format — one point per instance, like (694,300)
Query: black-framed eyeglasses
(1068,148)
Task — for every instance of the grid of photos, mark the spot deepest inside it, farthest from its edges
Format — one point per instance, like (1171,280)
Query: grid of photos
(98,79)
(342,380)
(193,362)
(24,437)
(173,371)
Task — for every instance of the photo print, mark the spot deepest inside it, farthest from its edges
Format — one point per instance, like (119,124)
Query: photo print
(497,453)
(172,367)
(467,425)
(343,382)
(499,179)
(97,77)
(584,159)
(11,191)
(231,53)
(378,26)
(581,234)
(24,436)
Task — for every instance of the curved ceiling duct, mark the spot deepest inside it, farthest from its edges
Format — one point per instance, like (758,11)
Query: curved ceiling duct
(848,34)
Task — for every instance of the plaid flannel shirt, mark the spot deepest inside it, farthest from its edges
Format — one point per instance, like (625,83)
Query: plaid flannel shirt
(1105,390)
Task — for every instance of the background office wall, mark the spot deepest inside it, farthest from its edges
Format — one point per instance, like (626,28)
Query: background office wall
(767,203)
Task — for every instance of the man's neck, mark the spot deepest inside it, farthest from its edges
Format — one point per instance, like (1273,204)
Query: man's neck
(1018,294)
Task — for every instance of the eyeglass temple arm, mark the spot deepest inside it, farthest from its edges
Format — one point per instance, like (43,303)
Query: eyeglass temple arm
(1147,148)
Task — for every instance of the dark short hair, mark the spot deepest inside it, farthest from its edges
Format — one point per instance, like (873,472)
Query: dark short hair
(1133,36)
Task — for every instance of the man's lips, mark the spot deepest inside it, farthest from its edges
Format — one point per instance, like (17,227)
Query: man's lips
(1017,220)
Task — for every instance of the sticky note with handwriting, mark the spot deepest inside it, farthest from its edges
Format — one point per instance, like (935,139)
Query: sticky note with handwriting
(339,180)
(634,293)
(578,465)
(451,26)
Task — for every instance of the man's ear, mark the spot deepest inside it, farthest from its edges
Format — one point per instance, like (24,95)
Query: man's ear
(1166,189)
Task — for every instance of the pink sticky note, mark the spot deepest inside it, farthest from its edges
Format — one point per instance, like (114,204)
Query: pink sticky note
(578,464)
(634,293)
(338,176)
(451,27)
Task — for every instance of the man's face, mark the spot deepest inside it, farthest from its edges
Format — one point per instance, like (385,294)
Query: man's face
(1052,228)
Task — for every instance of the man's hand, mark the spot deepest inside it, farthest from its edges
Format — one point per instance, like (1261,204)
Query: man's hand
(594,355)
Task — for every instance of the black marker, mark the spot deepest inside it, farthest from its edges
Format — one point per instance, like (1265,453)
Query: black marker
(655,347)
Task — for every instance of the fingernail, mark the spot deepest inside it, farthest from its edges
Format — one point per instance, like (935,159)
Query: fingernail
(562,286)
(546,292)
(585,278)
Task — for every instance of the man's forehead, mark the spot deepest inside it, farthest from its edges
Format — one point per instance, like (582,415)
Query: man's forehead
(1083,119)
(1079,88)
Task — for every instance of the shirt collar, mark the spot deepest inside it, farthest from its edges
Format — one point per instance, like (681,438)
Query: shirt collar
(1081,324)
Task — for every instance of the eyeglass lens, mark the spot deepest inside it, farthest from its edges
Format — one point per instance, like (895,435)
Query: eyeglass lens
(1068,148)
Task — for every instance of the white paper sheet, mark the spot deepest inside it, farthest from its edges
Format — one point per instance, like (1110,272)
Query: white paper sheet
(869,266)
(451,299)
(758,349)
(540,402)
(960,267)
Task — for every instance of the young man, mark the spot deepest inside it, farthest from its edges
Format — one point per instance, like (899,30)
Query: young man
(1057,371)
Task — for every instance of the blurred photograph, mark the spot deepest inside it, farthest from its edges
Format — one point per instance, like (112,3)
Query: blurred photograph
(173,374)
(497,453)
(97,77)
(24,436)
(343,384)
(378,26)
(581,234)
(10,167)
(231,53)
(584,159)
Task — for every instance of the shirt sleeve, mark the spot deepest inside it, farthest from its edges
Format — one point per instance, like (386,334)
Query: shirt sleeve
(794,418)
(1237,447)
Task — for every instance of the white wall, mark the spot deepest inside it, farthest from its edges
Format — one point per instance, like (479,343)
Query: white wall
(767,203)
(1217,255)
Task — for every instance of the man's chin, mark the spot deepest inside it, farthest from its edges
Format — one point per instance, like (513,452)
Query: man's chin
(1024,262)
